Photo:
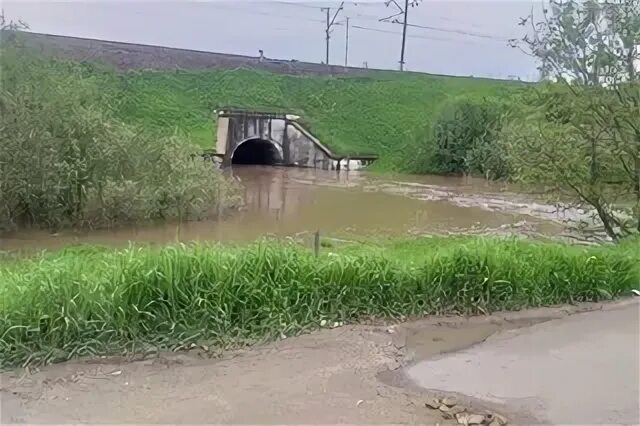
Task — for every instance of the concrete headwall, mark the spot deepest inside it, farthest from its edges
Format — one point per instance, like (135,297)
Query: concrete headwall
(296,145)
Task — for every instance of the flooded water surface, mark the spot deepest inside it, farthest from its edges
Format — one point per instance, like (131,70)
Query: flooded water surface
(294,201)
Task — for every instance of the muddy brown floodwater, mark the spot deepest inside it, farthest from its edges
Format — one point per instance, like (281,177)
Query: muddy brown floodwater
(290,201)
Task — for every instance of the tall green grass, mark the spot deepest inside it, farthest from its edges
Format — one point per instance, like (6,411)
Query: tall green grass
(91,301)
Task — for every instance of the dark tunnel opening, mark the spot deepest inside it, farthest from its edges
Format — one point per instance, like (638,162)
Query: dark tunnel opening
(256,151)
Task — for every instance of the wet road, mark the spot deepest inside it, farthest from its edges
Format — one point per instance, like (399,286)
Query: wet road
(582,369)
(291,201)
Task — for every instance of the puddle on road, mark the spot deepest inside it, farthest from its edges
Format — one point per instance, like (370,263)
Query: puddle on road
(290,201)
(426,342)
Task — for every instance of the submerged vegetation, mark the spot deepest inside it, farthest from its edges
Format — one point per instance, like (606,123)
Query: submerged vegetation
(90,301)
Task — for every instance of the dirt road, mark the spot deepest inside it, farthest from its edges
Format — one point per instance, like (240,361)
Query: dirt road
(350,374)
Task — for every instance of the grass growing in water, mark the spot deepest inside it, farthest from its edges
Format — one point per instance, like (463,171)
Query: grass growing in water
(91,301)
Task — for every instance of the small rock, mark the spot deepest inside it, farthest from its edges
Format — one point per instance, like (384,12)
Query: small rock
(462,418)
(457,409)
(391,330)
(475,419)
(116,373)
(341,323)
(502,420)
(433,403)
(450,401)
(446,411)
(283,336)
(335,324)
(359,402)
(323,323)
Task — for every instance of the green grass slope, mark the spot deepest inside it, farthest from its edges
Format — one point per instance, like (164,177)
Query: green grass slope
(383,112)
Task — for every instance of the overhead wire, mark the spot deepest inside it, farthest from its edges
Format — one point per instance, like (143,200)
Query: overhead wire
(461,32)
(360,27)
(288,3)
(256,12)
(416,36)
(425,27)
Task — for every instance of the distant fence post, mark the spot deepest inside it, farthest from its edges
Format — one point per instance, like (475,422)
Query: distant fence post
(316,243)
(219,200)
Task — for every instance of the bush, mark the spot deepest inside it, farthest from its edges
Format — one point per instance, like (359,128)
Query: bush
(87,301)
(465,136)
(66,160)
(580,144)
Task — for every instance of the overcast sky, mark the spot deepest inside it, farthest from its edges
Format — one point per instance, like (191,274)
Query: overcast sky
(466,37)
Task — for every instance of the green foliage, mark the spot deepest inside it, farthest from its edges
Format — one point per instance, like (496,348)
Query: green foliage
(586,42)
(581,135)
(466,138)
(568,143)
(91,301)
(66,160)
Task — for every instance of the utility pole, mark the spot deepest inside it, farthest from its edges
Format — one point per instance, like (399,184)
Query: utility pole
(404,34)
(326,61)
(330,23)
(346,46)
(405,12)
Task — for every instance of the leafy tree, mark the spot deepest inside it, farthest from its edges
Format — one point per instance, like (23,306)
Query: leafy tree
(581,134)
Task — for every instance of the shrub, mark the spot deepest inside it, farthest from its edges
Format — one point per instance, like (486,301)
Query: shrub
(66,160)
(465,136)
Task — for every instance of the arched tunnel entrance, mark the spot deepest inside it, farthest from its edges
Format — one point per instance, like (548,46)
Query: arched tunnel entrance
(256,151)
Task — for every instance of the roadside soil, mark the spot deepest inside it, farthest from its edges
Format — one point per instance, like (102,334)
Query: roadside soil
(350,374)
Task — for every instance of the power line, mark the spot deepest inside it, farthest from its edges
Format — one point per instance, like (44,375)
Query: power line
(425,27)
(455,31)
(256,12)
(443,18)
(378,30)
(288,3)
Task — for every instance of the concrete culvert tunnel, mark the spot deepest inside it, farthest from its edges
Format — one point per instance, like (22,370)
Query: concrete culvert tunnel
(256,151)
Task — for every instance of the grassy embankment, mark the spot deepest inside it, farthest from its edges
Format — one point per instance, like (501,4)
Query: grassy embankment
(88,301)
(383,112)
